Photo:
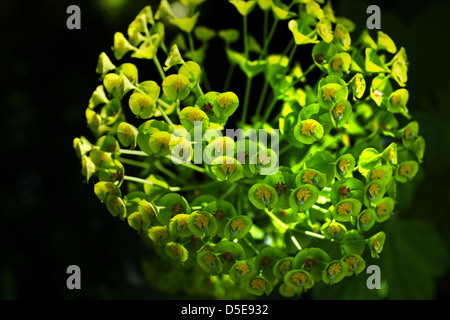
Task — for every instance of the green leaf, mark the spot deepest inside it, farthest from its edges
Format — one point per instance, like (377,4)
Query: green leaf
(229,252)
(176,86)
(192,71)
(313,260)
(104,64)
(266,260)
(368,159)
(229,35)
(142,105)
(173,58)
(282,266)
(204,34)
(186,24)
(353,243)
(321,161)
(243,7)
(385,209)
(384,42)
(322,52)
(170,205)
(121,46)
(344,166)
(117,85)
(190,115)
(223,211)
(374,64)
(281,11)
(302,33)
(81,146)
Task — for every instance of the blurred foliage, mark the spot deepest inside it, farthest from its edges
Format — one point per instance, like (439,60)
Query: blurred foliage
(49,220)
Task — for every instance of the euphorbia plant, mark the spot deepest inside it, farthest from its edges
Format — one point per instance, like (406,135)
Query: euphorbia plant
(224,226)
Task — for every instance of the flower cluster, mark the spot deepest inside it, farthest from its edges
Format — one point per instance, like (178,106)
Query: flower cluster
(226,229)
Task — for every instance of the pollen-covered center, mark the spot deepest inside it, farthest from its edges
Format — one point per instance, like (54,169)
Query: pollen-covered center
(405,170)
(338,112)
(334,270)
(258,284)
(263,194)
(328,94)
(345,208)
(303,195)
(201,222)
(308,128)
(299,278)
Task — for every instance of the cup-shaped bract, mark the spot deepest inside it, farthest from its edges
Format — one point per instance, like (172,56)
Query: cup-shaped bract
(406,171)
(238,227)
(176,87)
(334,272)
(376,243)
(355,264)
(345,210)
(313,260)
(299,280)
(303,197)
(263,196)
(202,224)
(366,219)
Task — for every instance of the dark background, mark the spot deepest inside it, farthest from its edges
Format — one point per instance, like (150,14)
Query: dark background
(50,220)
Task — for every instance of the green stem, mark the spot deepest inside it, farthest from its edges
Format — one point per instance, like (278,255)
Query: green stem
(251,245)
(166,117)
(135,163)
(159,67)
(229,191)
(275,219)
(246,100)
(133,152)
(270,108)
(143,181)
(269,38)
(230,72)
(187,165)
(245,30)
(262,97)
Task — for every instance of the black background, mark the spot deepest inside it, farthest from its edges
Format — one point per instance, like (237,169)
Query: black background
(50,220)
